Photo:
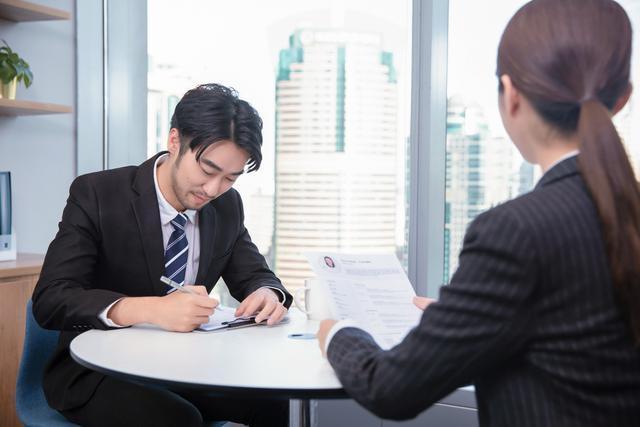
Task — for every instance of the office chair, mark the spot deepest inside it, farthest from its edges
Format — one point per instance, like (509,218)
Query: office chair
(31,404)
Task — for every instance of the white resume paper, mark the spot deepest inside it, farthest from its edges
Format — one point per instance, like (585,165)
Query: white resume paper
(373,290)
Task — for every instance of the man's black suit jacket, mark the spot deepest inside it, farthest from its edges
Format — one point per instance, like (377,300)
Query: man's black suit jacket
(109,245)
(530,317)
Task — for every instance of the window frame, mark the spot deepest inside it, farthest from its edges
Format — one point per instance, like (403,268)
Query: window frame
(428,135)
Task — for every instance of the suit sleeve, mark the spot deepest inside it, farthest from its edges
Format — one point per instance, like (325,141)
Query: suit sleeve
(64,298)
(479,321)
(247,269)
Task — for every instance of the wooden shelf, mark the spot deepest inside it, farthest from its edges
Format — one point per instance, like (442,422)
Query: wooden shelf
(19,10)
(26,264)
(18,107)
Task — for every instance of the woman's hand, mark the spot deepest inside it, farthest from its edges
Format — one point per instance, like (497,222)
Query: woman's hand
(422,302)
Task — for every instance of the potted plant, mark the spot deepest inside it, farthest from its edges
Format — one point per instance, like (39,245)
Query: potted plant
(13,69)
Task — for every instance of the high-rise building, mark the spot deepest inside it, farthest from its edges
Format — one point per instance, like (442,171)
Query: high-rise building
(480,174)
(336,143)
(258,208)
(166,84)
(525,179)
(403,251)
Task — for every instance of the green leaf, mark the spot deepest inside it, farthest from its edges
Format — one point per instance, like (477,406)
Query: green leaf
(7,73)
(20,68)
(28,78)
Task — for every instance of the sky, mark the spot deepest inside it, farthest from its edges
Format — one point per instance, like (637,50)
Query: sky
(474,34)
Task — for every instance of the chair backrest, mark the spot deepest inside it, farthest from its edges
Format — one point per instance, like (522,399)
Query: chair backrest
(31,405)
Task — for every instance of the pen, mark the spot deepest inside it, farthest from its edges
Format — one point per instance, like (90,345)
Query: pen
(175,285)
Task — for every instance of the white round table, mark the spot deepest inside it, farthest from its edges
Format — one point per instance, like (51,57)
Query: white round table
(254,361)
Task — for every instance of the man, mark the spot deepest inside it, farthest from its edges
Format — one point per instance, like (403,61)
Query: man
(121,230)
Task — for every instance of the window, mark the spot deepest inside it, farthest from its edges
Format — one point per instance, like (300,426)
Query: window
(331,82)
(628,120)
(483,167)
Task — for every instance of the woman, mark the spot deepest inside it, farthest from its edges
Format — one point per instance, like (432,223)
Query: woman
(543,313)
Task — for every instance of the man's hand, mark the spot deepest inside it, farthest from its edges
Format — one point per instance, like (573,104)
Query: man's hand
(177,311)
(422,302)
(184,312)
(265,303)
(323,331)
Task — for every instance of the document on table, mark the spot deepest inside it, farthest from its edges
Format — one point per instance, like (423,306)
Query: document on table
(224,318)
(373,290)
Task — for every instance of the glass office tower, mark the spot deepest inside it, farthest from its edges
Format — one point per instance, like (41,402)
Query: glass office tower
(483,169)
(336,148)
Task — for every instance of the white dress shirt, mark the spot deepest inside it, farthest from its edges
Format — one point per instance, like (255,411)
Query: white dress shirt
(167,213)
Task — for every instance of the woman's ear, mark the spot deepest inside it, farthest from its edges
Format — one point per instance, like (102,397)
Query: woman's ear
(510,101)
(622,101)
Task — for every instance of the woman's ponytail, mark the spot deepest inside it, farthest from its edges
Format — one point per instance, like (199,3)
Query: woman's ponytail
(605,167)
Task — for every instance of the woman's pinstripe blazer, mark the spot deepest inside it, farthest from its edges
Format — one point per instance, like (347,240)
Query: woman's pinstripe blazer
(530,317)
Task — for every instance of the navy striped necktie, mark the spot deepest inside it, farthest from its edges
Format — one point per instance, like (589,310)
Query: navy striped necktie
(175,256)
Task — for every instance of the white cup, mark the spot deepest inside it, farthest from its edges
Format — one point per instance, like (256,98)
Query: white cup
(315,304)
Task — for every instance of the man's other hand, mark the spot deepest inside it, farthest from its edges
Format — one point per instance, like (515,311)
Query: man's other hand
(263,303)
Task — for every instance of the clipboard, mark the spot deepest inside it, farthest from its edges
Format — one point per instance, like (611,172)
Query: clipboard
(240,322)
(223,319)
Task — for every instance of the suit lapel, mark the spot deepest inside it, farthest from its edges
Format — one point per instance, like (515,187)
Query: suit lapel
(207,226)
(147,213)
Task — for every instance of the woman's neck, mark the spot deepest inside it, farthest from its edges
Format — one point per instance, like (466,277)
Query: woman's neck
(554,149)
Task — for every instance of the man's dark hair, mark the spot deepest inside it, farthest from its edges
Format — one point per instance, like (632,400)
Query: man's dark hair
(211,113)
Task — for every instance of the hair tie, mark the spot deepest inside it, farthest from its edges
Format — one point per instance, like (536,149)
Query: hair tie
(587,99)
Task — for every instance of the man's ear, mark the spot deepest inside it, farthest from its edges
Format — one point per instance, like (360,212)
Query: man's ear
(173,142)
(511,101)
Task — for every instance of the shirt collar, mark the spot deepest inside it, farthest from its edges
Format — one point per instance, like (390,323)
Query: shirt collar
(563,158)
(168,212)
(567,167)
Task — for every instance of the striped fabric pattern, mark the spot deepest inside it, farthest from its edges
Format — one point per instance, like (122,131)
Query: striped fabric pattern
(530,318)
(177,251)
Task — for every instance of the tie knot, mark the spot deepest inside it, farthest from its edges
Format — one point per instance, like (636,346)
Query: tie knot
(179,221)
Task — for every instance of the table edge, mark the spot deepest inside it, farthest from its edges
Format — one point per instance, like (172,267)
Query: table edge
(289,393)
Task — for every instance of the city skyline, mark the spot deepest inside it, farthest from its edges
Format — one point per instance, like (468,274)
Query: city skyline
(472,90)
(482,171)
(389,23)
(336,149)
